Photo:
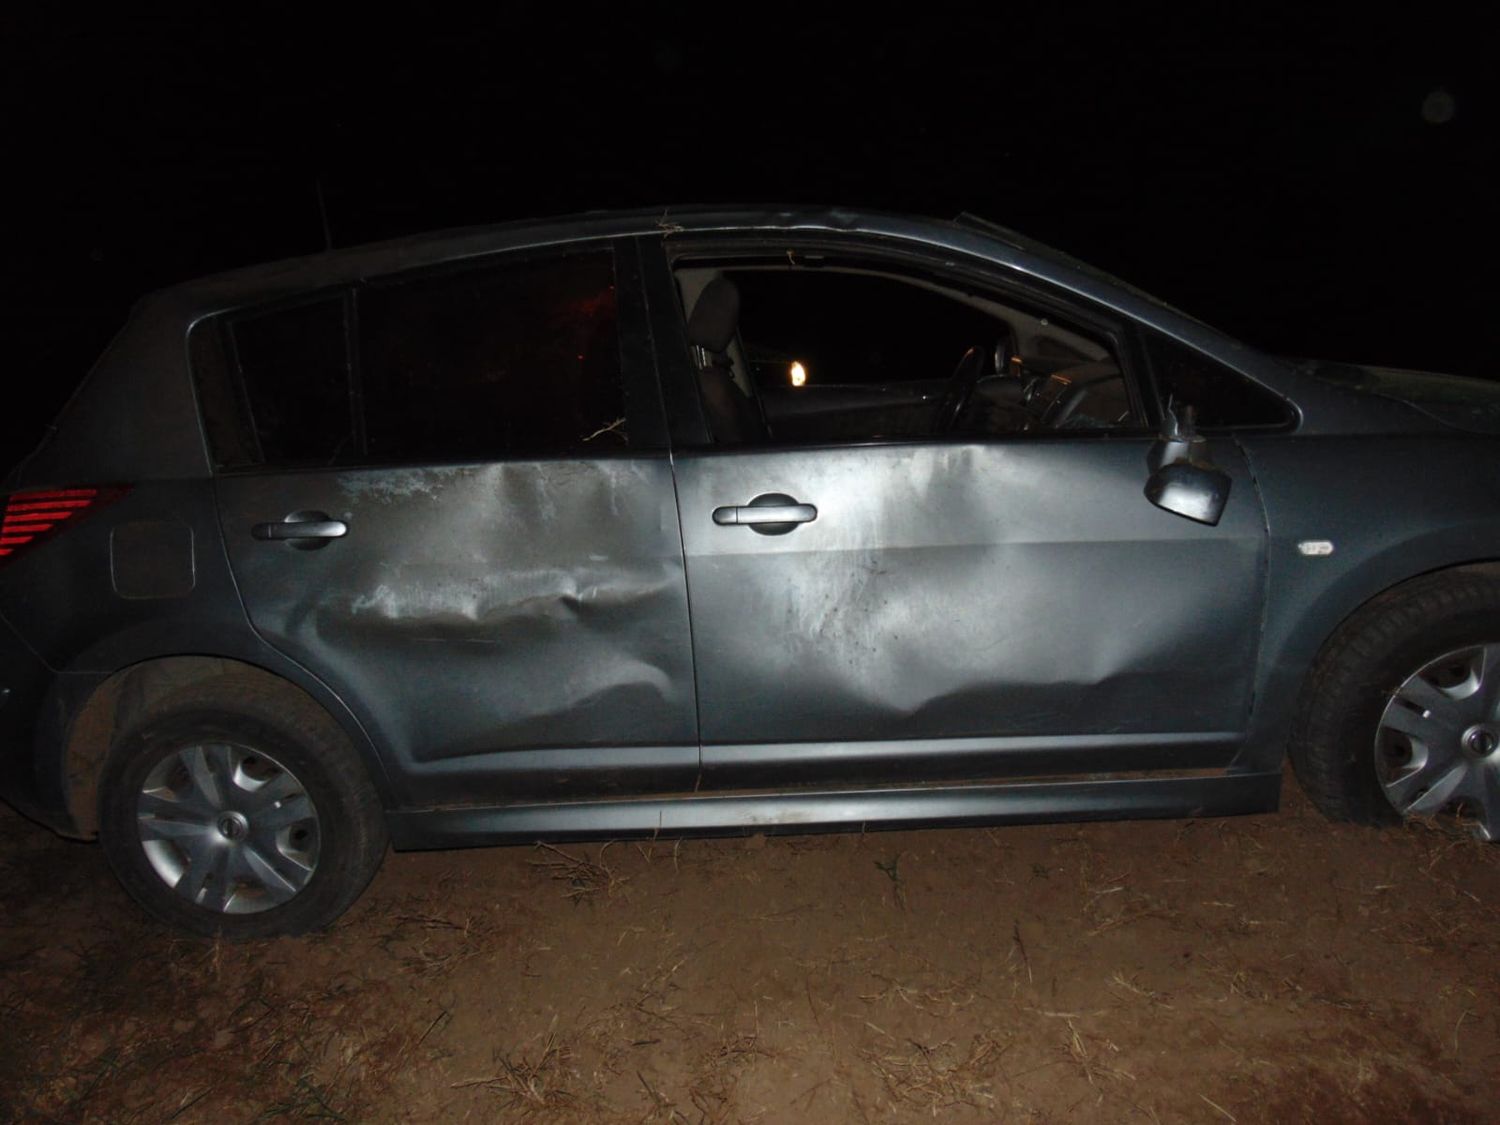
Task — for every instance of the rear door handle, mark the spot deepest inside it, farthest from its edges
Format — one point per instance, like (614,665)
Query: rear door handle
(773,513)
(316,526)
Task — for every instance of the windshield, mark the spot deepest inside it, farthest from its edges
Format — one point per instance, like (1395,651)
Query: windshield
(1041,250)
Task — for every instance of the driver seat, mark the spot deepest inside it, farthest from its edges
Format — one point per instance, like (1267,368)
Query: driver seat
(732,418)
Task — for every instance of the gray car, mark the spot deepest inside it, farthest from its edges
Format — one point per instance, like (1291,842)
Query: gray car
(723,522)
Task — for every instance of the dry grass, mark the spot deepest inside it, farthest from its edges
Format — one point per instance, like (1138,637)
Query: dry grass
(941,999)
(712,1088)
(138,1028)
(1449,833)
(940,1077)
(661,1107)
(652,999)
(1245,983)
(585,879)
(892,871)
(1129,986)
(531,1082)
(726,981)
(282,1059)
(1094,1060)
(427,942)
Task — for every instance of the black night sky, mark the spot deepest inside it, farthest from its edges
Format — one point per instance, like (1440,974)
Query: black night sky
(1316,184)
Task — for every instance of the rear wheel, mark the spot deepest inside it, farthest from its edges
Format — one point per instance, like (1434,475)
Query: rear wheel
(228,810)
(1401,715)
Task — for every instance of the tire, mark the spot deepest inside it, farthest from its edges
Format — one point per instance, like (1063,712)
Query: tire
(1400,715)
(227,810)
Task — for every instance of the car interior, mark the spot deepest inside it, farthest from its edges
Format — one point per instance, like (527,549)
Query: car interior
(801,350)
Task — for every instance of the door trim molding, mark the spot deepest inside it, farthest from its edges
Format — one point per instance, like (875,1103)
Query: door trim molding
(841,810)
(742,765)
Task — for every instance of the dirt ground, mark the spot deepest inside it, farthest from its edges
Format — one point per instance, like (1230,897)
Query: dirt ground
(1271,968)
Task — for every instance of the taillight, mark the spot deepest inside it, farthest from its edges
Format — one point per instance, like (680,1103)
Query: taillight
(33,515)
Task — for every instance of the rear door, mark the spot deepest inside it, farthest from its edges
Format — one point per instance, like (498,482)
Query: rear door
(448,496)
(989,601)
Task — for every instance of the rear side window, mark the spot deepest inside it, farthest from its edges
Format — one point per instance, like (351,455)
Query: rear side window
(517,360)
(1221,397)
(294,367)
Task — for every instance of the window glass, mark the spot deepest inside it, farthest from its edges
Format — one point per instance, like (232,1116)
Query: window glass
(849,352)
(517,360)
(851,329)
(293,367)
(1220,396)
(221,399)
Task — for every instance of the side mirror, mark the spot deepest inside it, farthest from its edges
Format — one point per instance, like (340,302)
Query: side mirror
(1183,480)
(1195,492)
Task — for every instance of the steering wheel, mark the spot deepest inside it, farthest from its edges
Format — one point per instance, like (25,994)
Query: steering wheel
(960,389)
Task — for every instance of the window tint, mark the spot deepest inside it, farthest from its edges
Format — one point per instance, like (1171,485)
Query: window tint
(221,400)
(294,368)
(848,352)
(1221,397)
(852,329)
(519,360)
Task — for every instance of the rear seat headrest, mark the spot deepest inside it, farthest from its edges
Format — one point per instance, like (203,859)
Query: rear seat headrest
(716,315)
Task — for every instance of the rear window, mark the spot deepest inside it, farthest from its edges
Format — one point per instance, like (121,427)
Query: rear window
(514,361)
(294,366)
(503,361)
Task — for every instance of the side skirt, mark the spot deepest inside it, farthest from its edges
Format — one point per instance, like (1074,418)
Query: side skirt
(839,810)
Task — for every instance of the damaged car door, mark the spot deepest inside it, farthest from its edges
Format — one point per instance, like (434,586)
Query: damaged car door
(448,496)
(996,600)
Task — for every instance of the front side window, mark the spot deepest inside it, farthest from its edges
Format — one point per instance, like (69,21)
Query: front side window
(1220,397)
(515,360)
(848,351)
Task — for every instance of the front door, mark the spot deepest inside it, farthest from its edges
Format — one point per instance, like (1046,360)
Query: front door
(977,608)
(997,597)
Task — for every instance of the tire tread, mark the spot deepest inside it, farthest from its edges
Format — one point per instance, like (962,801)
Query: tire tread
(251,698)
(1326,754)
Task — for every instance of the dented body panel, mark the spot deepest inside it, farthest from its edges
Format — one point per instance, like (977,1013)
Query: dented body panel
(476,610)
(527,648)
(948,591)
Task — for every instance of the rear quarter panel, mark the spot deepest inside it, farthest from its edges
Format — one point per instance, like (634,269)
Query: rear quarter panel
(142,578)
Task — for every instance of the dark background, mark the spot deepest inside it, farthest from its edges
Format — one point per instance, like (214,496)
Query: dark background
(1318,184)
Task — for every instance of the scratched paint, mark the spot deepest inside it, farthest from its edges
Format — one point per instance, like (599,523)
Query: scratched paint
(947,591)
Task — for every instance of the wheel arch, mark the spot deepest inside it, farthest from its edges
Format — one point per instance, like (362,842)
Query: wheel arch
(1483,565)
(1349,770)
(1292,647)
(88,716)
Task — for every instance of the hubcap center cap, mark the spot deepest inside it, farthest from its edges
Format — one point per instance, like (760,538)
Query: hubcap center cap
(233,826)
(1480,741)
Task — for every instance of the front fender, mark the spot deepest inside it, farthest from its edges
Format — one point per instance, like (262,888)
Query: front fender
(1373,500)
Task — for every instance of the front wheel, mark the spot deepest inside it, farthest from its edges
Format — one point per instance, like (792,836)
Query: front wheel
(1401,715)
(226,811)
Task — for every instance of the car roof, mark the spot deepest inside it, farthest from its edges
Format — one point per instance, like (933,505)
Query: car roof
(967,235)
(256,283)
(147,362)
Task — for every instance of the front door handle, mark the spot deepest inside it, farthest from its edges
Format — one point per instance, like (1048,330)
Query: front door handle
(773,513)
(307,530)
